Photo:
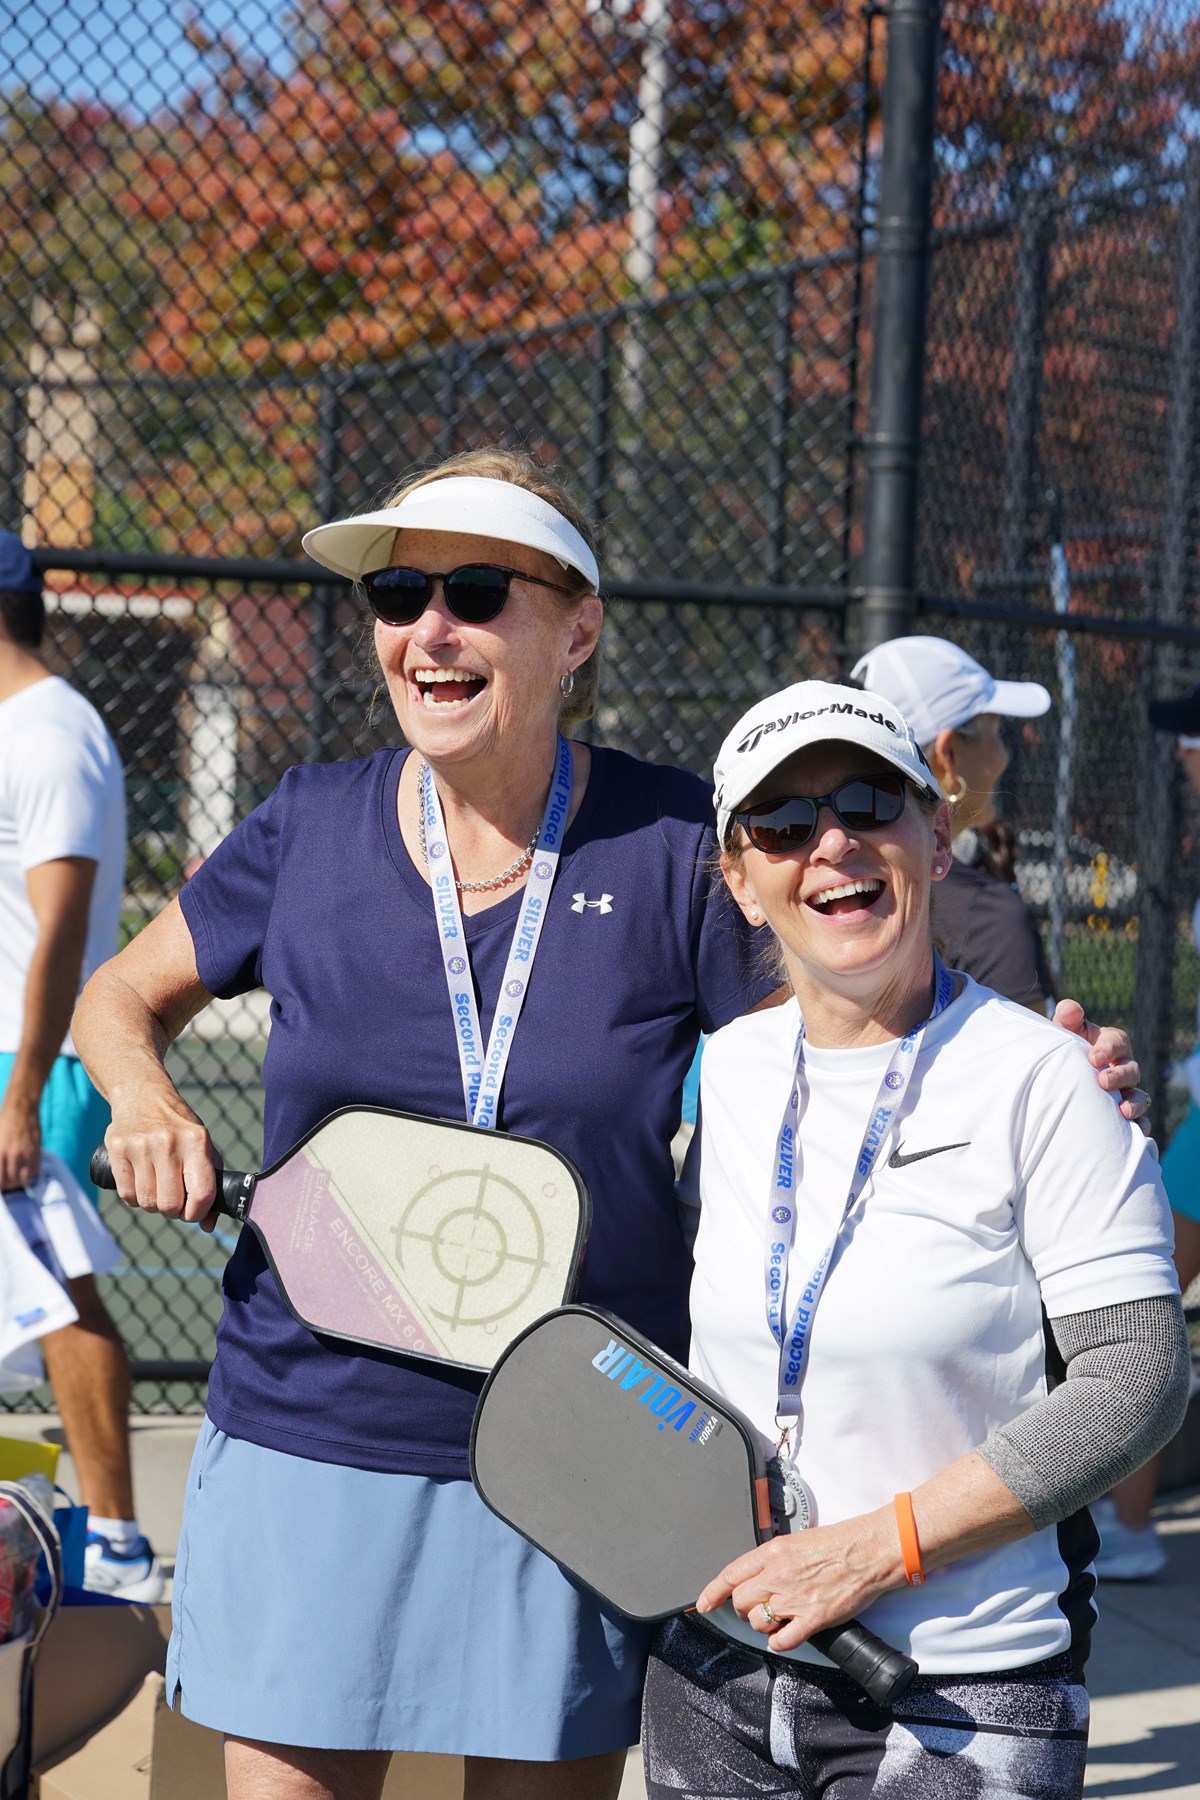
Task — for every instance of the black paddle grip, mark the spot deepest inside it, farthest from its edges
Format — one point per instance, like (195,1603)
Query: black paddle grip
(233,1188)
(883,1672)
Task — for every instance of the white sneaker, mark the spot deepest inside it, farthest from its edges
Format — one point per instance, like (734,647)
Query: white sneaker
(1125,1554)
(132,1574)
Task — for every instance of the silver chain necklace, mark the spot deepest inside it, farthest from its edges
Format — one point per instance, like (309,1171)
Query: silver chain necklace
(479,887)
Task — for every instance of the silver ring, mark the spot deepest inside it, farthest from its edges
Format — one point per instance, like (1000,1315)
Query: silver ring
(772,1618)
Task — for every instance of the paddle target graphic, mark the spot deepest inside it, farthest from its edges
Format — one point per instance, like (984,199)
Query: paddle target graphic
(474,1242)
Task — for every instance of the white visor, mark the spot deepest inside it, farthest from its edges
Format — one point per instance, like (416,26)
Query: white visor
(810,712)
(474,505)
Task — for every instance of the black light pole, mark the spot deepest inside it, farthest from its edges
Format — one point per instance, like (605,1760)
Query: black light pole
(901,288)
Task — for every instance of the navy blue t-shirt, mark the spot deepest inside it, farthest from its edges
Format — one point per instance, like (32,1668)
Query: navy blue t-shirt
(315,898)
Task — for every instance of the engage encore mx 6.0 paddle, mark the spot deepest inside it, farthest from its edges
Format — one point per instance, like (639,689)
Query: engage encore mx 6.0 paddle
(411,1234)
(637,1478)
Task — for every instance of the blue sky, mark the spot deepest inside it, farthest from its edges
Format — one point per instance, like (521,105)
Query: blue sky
(132,53)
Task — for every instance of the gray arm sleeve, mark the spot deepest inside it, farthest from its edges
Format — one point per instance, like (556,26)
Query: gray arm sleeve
(1128,1370)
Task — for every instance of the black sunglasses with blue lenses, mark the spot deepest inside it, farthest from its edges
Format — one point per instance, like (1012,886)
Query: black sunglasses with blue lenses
(475,592)
(864,804)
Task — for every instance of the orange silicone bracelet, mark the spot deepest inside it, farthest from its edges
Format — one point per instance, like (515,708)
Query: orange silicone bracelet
(910,1544)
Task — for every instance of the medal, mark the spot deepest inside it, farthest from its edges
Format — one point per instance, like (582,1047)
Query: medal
(792,1505)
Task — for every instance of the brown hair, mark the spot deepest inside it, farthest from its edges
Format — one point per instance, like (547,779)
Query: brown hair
(515,466)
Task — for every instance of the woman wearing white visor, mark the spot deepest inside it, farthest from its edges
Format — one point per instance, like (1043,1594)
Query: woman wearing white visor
(959,1216)
(955,709)
(341,1591)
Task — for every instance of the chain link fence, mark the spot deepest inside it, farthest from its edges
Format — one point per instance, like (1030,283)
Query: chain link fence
(257,264)
(1059,467)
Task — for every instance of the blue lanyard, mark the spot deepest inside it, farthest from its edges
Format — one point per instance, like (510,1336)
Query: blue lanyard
(785,1182)
(483,1070)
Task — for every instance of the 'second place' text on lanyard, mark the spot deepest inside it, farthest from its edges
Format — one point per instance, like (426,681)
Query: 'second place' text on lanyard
(483,1070)
(785,1182)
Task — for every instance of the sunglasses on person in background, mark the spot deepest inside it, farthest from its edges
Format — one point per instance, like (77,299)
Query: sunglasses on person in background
(777,826)
(475,593)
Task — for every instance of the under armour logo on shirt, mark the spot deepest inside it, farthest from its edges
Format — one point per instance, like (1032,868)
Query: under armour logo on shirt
(581,901)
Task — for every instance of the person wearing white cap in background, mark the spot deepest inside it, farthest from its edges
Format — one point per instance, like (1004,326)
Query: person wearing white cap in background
(340,1587)
(914,1201)
(955,707)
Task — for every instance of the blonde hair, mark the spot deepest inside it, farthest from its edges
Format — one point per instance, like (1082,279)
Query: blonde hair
(516,466)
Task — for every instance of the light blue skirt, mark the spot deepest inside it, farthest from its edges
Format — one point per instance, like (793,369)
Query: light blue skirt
(339,1609)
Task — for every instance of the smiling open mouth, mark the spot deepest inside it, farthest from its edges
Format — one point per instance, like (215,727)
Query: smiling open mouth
(447,687)
(848,896)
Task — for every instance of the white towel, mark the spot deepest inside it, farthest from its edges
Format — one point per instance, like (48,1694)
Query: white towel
(50,1233)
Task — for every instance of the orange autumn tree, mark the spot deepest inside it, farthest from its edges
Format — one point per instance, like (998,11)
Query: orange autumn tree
(1068,118)
(436,175)
(433,172)
(424,176)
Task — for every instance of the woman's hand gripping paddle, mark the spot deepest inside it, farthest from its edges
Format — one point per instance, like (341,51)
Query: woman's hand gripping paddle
(637,1478)
(412,1234)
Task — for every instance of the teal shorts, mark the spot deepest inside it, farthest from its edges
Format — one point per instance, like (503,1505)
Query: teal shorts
(1181,1166)
(73,1116)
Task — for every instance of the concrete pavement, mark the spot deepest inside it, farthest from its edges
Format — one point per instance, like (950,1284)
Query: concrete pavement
(1144,1674)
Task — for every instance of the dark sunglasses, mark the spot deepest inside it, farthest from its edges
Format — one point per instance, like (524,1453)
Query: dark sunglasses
(474,593)
(777,826)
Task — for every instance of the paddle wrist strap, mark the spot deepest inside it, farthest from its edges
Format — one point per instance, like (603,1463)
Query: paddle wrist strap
(781,1209)
(483,1069)
(910,1543)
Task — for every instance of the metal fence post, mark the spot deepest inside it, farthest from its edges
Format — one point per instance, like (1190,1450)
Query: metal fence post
(14,462)
(901,290)
(781,425)
(600,440)
(1024,412)
(324,594)
(1068,726)
(1158,813)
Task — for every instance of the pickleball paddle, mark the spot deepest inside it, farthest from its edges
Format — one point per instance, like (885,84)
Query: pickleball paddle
(637,1478)
(419,1235)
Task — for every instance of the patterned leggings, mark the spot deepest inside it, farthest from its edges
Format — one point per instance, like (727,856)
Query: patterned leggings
(721,1723)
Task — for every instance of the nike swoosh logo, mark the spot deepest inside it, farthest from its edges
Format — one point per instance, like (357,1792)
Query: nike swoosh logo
(896,1161)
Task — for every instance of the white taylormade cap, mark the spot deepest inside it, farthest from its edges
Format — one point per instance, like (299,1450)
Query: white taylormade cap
(938,686)
(476,505)
(811,712)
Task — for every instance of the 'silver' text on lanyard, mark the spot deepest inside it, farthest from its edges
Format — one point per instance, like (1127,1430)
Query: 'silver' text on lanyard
(781,1214)
(483,1070)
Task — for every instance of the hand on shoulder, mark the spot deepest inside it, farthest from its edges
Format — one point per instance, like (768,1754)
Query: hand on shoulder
(1111,1055)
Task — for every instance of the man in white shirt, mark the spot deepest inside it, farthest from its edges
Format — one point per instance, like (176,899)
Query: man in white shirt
(62,858)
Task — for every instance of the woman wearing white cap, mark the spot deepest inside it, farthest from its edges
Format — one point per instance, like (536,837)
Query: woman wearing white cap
(932,1166)
(955,708)
(339,1586)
